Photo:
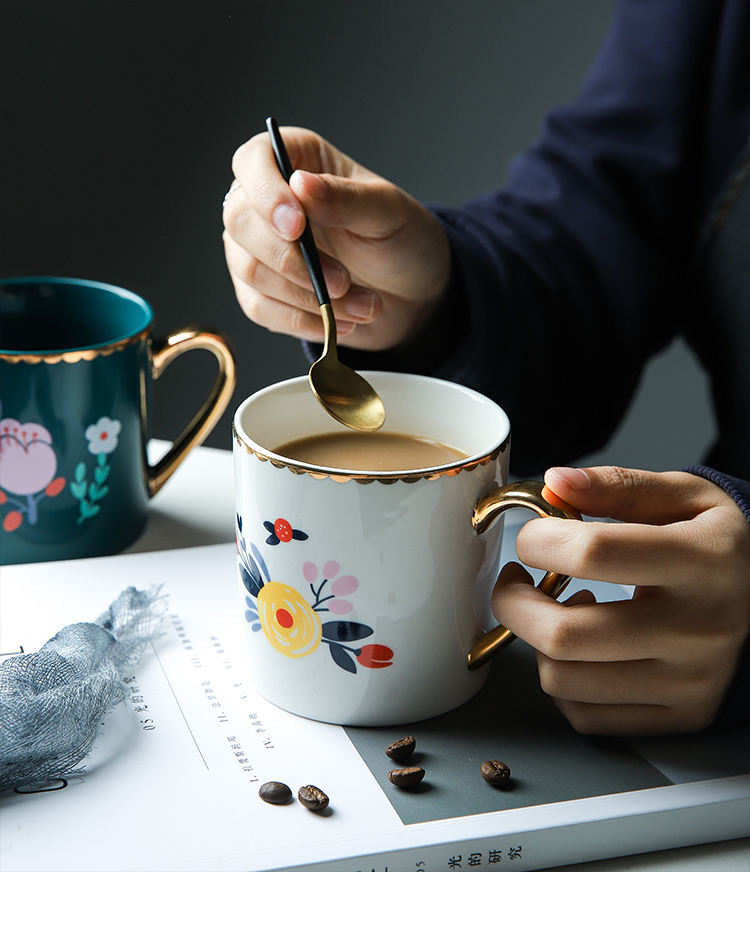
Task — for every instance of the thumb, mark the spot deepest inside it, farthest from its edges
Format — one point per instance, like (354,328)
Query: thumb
(368,206)
(631,495)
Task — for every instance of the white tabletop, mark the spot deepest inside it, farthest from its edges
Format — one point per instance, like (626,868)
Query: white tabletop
(196,508)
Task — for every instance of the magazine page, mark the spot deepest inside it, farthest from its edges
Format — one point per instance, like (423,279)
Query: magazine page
(173,779)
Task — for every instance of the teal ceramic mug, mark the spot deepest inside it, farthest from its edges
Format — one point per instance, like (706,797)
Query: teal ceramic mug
(77,360)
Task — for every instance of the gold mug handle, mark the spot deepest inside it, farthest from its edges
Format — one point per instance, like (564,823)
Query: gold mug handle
(216,402)
(486,511)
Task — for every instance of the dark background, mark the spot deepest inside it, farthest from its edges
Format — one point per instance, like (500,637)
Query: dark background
(120,117)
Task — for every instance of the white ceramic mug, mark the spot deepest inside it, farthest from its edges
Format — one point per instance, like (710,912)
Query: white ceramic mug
(364,594)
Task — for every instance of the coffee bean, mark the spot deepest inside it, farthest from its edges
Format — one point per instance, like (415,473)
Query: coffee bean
(312,798)
(276,793)
(406,776)
(496,773)
(401,750)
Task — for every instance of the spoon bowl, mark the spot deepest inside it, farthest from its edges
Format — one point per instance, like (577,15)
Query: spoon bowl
(342,392)
(345,394)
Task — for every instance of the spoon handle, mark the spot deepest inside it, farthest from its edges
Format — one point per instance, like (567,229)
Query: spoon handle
(306,241)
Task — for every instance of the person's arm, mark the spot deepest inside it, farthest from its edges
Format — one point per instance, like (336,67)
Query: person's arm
(551,292)
(569,278)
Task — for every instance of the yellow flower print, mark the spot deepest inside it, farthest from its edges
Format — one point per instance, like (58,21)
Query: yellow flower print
(288,621)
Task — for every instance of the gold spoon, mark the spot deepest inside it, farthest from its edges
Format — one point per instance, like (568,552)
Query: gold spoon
(341,391)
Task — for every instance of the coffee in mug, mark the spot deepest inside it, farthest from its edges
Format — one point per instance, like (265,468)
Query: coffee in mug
(370,451)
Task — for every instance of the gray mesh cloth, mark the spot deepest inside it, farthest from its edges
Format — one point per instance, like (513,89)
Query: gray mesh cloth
(52,702)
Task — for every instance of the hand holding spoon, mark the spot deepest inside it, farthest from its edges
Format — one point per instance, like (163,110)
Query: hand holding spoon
(341,391)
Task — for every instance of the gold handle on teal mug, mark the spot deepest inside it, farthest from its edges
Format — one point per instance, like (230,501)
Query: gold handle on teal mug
(166,351)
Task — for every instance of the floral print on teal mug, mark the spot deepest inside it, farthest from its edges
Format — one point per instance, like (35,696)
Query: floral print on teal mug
(77,359)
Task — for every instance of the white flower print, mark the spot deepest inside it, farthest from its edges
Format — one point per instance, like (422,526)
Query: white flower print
(102,436)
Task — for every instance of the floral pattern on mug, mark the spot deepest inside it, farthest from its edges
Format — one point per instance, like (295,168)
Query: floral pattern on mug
(291,623)
(28,468)
(102,438)
(281,531)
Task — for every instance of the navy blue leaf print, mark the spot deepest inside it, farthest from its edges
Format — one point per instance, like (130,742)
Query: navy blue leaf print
(251,577)
(299,535)
(273,539)
(345,631)
(342,658)
(239,522)
(261,562)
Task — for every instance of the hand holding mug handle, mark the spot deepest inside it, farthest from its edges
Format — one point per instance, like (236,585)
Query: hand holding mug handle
(486,511)
(208,415)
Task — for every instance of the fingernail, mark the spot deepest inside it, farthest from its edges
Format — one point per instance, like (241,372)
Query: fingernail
(575,478)
(336,278)
(307,184)
(360,305)
(286,220)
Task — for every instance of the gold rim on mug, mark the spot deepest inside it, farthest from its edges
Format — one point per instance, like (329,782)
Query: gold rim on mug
(73,357)
(161,355)
(365,477)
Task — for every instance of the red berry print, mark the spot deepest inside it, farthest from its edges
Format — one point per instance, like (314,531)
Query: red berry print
(12,521)
(54,487)
(375,656)
(283,529)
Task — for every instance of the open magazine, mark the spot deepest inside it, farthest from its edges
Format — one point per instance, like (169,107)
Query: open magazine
(172,782)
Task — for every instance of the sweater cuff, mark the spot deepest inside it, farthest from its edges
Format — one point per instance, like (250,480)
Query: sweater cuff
(738,490)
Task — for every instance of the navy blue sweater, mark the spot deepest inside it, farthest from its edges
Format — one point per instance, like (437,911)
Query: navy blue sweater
(606,243)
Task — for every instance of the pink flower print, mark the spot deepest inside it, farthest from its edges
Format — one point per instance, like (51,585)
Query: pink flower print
(345,585)
(27,471)
(27,460)
(339,587)
(331,569)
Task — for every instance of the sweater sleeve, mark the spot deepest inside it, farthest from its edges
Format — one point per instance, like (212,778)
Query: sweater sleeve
(578,271)
(569,278)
